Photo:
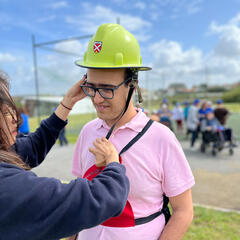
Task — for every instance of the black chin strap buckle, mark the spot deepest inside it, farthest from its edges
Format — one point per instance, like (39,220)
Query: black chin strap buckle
(134,84)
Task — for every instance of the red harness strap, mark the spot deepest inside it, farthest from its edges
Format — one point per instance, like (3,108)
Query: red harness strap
(126,218)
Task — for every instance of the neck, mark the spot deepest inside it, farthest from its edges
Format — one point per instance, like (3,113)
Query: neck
(128,115)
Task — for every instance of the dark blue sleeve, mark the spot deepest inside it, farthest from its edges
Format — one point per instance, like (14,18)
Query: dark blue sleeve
(44,208)
(34,147)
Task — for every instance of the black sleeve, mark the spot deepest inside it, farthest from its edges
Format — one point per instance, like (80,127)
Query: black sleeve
(34,147)
(44,208)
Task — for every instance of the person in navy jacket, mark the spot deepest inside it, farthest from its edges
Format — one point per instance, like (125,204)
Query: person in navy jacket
(40,208)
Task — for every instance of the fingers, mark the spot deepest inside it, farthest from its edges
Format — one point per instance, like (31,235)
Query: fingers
(80,82)
(104,151)
(99,144)
(99,157)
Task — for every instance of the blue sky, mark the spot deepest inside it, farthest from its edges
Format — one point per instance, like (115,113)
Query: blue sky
(189,41)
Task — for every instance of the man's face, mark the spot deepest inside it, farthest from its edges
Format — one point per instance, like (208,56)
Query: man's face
(108,109)
(210,116)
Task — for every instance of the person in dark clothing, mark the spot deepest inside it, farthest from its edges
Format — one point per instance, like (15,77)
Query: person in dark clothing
(40,208)
(62,137)
(221,113)
(24,127)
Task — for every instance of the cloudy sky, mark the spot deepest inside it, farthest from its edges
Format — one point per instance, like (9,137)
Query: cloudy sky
(189,41)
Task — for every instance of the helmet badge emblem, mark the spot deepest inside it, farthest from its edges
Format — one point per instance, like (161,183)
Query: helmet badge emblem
(97,47)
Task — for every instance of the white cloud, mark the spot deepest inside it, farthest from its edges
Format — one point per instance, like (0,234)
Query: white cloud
(172,64)
(229,38)
(57,5)
(194,7)
(7,58)
(89,22)
(222,64)
(170,54)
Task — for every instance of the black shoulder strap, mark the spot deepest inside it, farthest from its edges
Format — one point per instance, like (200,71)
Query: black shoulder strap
(136,138)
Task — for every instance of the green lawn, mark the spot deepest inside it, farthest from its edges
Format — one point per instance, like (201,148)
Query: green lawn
(210,224)
(75,124)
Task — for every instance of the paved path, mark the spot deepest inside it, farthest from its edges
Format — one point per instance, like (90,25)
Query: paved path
(217,178)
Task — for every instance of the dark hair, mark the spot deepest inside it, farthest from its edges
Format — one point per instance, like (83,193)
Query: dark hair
(7,155)
(129,74)
(132,76)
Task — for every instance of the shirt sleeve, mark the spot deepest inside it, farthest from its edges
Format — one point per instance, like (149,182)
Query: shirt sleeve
(45,208)
(76,164)
(177,175)
(34,147)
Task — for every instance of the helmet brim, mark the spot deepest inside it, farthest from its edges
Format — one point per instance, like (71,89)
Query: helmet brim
(138,68)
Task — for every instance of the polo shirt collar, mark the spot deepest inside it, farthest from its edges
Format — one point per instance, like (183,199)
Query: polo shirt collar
(136,124)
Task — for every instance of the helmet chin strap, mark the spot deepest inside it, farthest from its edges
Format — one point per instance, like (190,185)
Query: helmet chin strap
(133,85)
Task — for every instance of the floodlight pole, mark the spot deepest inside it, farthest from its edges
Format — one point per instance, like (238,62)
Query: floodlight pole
(36,77)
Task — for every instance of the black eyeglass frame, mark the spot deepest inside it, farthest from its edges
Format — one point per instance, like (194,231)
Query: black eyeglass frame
(96,89)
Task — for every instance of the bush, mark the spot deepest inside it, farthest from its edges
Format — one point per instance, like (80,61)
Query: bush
(232,95)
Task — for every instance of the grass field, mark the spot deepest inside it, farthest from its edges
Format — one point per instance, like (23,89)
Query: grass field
(209,224)
(76,122)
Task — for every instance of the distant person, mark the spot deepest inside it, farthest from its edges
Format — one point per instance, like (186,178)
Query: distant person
(165,101)
(210,123)
(211,128)
(154,116)
(24,127)
(221,113)
(178,116)
(185,110)
(202,110)
(193,121)
(62,137)
(165,116)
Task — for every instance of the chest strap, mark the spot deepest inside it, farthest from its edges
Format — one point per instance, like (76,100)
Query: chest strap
(164,210)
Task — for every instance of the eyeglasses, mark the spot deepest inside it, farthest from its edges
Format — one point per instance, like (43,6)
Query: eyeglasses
(105,92)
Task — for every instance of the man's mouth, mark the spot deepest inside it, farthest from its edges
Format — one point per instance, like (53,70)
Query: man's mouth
(101,108)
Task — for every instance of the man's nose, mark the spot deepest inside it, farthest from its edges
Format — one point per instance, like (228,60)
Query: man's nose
(98,98)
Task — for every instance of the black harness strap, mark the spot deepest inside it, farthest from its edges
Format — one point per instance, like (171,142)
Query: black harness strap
(130,93)
(136,138)
(165,209)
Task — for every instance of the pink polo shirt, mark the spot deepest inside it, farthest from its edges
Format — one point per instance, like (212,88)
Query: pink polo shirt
(155,164)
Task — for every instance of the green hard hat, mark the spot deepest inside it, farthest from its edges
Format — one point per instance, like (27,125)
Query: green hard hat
(112,47)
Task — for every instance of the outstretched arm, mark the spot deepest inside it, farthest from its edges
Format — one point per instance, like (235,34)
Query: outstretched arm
(34,147)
